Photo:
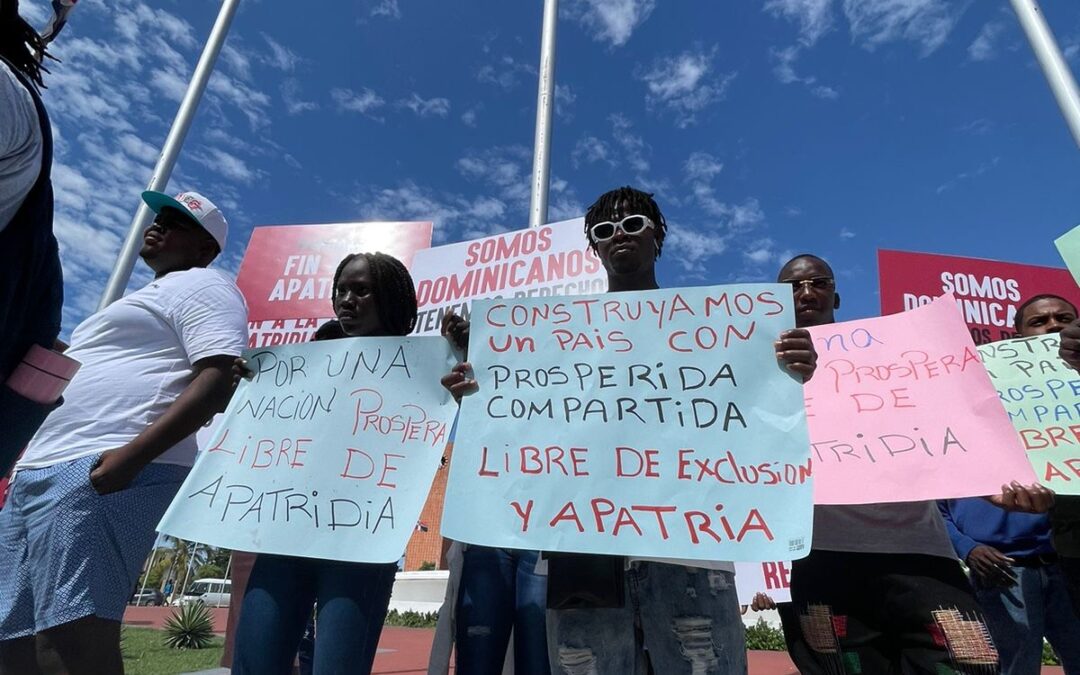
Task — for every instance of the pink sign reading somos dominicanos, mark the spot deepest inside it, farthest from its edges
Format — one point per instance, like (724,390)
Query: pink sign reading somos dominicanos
(902,409)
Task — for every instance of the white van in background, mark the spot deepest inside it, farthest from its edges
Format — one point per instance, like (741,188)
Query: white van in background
(210,592)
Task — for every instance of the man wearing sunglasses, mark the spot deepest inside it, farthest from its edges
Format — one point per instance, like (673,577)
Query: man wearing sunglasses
(675,616)
(95,480)
(869,596)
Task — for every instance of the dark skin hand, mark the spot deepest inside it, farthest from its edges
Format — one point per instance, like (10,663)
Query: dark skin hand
(1024,498)
(209,393)
(1069,350)
(456,330)
(762,602)
(795,350)
(992,567)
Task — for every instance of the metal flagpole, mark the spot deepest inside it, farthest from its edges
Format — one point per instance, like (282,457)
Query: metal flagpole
(1053,63)
(146,575)
(190,562)
(173,142)
(545,102)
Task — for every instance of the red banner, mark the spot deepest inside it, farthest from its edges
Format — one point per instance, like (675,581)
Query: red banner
(287,273)
(988,292)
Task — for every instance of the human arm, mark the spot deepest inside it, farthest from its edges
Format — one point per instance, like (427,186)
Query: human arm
(208,393)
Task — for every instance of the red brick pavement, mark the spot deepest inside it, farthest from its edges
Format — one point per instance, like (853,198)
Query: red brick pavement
(404,651)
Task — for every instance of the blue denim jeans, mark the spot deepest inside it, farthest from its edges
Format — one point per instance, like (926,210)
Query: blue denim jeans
(500,590)
(1021,616)
(352,600)
(686,617)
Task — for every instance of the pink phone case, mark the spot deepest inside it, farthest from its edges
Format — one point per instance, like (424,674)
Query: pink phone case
(42,375)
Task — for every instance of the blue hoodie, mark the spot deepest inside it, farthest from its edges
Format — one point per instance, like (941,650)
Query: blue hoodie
(975,521)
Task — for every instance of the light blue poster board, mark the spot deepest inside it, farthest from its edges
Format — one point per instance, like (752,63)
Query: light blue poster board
(329,452)
(1068,245)
(655,424)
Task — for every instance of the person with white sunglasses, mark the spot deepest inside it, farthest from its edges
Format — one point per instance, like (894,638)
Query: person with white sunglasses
(609,614)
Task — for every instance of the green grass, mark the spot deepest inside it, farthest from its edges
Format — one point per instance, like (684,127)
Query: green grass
(145,653)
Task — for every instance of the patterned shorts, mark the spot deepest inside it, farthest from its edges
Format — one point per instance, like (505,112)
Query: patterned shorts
(67,552)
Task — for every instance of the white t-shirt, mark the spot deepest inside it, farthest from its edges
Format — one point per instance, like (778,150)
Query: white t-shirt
(20,144)
(137,357)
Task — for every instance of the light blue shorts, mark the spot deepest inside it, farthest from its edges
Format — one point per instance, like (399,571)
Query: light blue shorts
(67,552)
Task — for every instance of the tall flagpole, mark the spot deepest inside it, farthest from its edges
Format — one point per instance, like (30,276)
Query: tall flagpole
(545,102)
(121,273)
(1053,63)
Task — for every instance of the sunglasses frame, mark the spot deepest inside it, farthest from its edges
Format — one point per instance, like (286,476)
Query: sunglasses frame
(798,285)
(618,225)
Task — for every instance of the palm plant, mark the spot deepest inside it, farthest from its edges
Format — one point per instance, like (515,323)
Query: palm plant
(190,627)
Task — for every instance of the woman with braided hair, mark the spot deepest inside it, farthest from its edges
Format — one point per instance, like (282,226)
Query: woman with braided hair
(373,296)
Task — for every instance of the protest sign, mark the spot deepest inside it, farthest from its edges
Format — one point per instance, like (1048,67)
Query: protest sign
(1068,245)
(988,292)
(772,578)
(287,273)
(643,424)
(327,453)
(1042,396)
(541,261)
(901,409)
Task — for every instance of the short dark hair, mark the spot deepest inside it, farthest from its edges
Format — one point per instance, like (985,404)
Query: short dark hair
(809,256)
(19,42)
(395,295)
(638,202)
(1018,320)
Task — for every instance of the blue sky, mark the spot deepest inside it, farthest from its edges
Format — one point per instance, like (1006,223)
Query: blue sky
(765,128)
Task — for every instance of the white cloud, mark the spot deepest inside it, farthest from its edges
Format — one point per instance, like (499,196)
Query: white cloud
(845,233)
(984,47)
(968,175)
(422,107)
(504,72)
(363,101)
(612,21)
(691,248)
(590,149)
(813,16)
(925,22)
(468,118)
(784,70)
(761,252)
(280,57)
(290,95)
(701,166)
(684,84)
(138,149)
(227,165)
(564,99)
(387,8)
(633,146)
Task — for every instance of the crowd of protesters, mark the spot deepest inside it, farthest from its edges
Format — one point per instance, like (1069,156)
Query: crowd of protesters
(883,589)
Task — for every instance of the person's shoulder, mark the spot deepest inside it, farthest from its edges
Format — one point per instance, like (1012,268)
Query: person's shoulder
(201,277)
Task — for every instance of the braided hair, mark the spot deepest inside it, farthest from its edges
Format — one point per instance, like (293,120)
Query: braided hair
(1018,320)
(395,295)
(636,202)
(19,41)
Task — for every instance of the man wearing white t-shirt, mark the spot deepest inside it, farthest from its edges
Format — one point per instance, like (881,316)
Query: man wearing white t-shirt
(92,485)
(609,614)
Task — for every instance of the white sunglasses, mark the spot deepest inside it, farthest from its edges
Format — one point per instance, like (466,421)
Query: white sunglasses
(631,225)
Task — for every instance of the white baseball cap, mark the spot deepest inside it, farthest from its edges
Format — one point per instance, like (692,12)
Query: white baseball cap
(201,210)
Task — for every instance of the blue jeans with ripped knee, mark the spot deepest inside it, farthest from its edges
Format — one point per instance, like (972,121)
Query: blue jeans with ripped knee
(501,591)
(689,623)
